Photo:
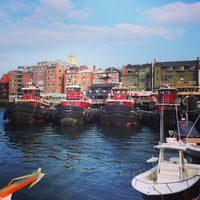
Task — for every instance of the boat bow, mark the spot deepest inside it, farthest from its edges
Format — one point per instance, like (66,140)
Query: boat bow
(20,182)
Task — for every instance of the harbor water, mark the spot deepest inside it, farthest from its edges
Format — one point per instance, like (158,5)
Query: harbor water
(87,162)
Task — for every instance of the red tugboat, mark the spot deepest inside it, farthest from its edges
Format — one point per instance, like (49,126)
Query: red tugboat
(119,110)
(167,97)
(172,175)
(75,109)
(18,183)
(30,109)
(167,104)
(167,101)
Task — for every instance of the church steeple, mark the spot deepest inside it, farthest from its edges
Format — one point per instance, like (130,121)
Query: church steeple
(72,60)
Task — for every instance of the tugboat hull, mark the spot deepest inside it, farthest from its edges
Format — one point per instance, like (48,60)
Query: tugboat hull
(117,115)
(69,115)
(26,114)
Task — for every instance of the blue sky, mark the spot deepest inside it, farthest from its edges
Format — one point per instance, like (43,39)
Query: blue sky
(105,33)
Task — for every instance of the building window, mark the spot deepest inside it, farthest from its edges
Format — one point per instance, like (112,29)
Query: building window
(169,69)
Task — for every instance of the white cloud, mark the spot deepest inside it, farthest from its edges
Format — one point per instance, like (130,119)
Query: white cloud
(80,14)
(53,24)
(48,25)
(58,5)
(15,6)
(177,13)
(60,10)
(58,33)
(52,10)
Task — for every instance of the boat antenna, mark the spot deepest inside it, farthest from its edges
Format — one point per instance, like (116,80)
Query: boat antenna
(186,98)
(178,128)
(193,126)
(162,125)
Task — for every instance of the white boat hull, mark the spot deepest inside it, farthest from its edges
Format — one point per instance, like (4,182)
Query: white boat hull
(147,185)
(153,188)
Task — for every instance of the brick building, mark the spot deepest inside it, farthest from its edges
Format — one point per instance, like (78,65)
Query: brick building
(39,75)
(109,76)
(84,78)
(151,76)
(13,83)
(53,77)
(4,87)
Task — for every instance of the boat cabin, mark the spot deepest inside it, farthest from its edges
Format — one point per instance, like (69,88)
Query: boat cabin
(76,97)
(171,163)
(74,92)
(167,95)
(99,91)
(119,93)
(30,92)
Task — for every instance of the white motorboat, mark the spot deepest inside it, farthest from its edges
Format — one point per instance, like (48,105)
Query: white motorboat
(173,177)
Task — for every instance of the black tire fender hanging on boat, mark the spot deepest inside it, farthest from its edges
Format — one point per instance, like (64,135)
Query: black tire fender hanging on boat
(37,113)
(5,115)
(47,116)
(87,116)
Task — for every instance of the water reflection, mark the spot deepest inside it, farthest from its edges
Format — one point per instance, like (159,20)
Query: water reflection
(86,162)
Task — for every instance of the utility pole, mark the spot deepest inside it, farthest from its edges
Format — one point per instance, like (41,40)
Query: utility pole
(152,73)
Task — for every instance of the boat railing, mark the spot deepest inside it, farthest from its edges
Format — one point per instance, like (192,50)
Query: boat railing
(98,101)
(168,103)
(153,160)
(140,171)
